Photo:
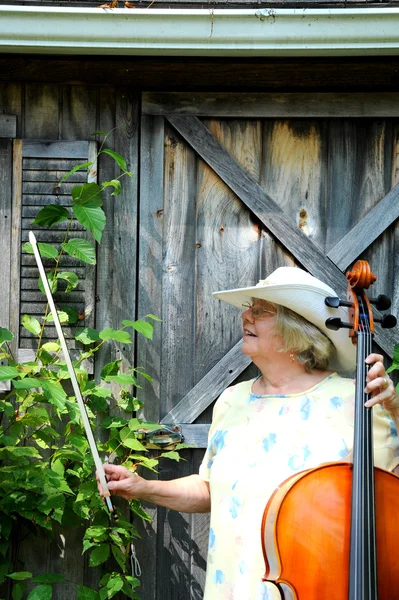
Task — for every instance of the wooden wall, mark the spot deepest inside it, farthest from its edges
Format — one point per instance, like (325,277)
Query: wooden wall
(178,232)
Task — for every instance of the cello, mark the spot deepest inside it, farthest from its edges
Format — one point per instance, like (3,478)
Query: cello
(332,532)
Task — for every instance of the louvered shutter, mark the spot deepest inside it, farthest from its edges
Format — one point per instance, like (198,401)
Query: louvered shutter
(37,170)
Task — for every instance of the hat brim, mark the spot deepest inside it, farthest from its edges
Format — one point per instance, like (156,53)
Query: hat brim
(307,301)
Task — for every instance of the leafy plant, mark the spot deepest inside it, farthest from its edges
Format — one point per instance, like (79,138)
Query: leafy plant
(46,469)
(395,363)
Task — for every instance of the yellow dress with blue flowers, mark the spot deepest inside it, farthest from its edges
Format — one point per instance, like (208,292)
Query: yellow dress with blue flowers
(255,443)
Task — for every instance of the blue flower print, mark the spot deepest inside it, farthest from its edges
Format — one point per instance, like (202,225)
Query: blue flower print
(344,450)
(216,444)
(297,462)
(218,577)
(305,409)
(212,539)
(336,401)
(235,506)
(264,593)
(269,441)
(242,567)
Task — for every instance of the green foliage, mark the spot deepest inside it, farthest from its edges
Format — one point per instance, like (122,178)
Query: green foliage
(395,362)
(46,468)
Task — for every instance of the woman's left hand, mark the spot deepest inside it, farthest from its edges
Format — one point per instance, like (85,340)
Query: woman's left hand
(380,385)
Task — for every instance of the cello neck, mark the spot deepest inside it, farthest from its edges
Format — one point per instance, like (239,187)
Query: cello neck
(363,560)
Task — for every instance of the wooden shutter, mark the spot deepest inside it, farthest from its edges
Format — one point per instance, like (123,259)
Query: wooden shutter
(38,167)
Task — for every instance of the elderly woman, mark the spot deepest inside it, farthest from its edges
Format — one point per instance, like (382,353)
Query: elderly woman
(297,414)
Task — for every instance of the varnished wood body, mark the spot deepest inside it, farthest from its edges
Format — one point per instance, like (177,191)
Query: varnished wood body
(306,534)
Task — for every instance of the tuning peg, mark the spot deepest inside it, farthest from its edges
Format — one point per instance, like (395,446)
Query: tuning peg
(387,321)
(334,302)
(335,323)
(382,302)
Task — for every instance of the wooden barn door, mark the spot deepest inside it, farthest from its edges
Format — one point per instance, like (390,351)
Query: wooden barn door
(231,187)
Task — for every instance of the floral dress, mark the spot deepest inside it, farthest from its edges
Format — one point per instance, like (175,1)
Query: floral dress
(255,443)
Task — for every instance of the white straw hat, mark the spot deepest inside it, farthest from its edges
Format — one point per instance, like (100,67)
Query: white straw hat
(304,294)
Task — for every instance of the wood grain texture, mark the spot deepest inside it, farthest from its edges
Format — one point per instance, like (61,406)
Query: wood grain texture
(5,236)
(294,172)
(41,115)
(8,126)
(243,184)
(292,105)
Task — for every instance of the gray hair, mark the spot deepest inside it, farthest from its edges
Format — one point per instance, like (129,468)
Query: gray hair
(311,347)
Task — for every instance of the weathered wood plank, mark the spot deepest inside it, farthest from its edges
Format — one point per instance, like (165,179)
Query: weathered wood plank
(272,105)
(15,242)
(41,115)
(228,241)
(246,188)
(294,172)
(178,278)
(51,149)
(366,231)
(8,126)
(149,300)
(209,388)
(5,236)
(78,112)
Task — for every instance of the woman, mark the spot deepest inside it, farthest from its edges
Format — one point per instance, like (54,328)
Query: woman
(297,414)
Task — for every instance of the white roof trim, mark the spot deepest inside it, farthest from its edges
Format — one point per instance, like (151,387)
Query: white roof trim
(205,32)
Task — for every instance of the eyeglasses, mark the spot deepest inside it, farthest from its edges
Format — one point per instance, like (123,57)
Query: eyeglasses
(257,311)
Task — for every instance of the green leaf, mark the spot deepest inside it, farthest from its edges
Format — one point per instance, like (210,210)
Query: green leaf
(99,554)
(172,455)
(119,556)
(17,592)
(135,506)
(20,451)
(71,279)
(120,161)
(49,578)
(87,336)
(26,384)
(146,329)
(88,194)
(91,218)
(154,318)
(50,215)
(72,315)
(85,165)
(52,282)
(45,250)
(395,359)
(111,368)
(19,575)
(54,392)
(31,324)
(51,347)
(62,316)
(7,373)
(41,592)
(114,585)
(117,335)
(81,249)
(128,440)
(115,183)
(5,335)
(85,593)
(122,379)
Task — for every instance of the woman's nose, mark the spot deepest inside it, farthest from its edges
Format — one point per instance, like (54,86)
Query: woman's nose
(248,316)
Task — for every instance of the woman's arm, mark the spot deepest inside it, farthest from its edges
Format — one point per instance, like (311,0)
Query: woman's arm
(186,494)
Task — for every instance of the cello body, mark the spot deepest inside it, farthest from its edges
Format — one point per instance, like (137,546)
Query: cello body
(306,534)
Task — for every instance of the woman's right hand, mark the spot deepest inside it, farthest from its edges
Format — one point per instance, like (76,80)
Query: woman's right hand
(121,482)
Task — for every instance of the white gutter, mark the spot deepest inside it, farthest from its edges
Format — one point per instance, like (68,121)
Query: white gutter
(205,32)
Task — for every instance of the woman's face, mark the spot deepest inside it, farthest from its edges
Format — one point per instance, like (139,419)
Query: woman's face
(259,338)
